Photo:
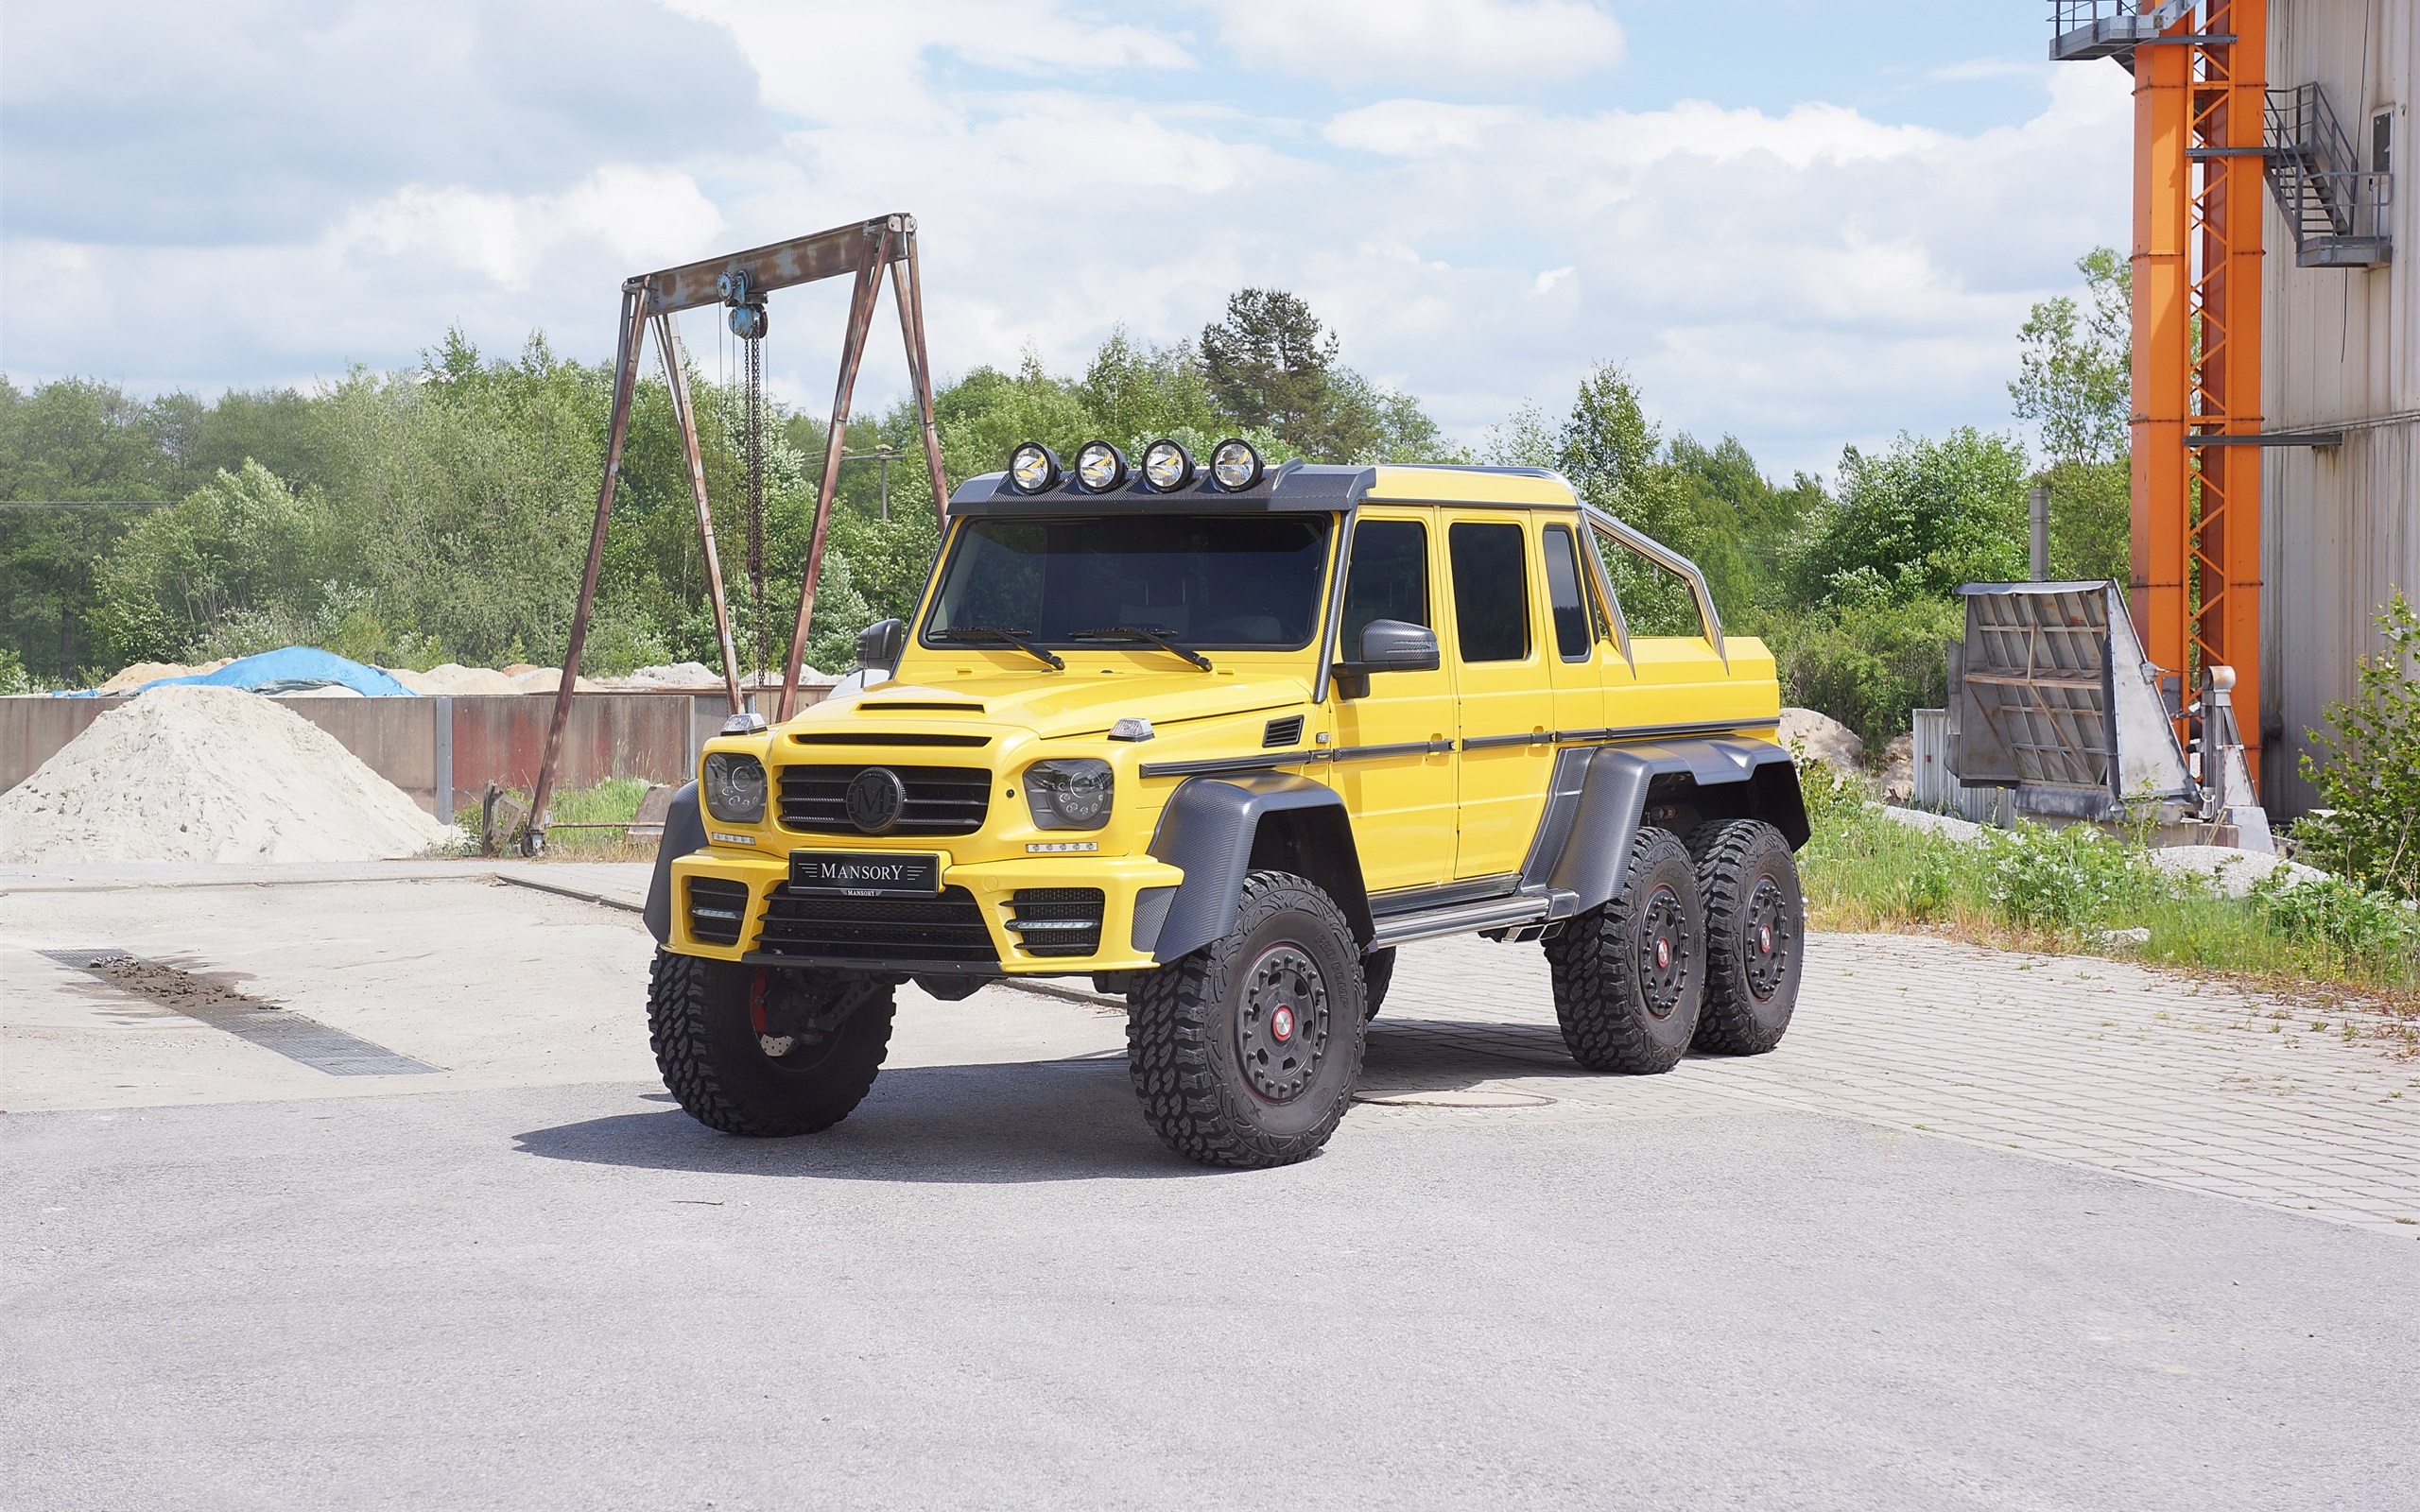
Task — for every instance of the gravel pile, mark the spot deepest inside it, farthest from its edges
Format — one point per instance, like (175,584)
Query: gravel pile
(212,775)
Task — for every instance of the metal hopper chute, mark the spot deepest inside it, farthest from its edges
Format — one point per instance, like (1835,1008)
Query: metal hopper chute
(2050,695)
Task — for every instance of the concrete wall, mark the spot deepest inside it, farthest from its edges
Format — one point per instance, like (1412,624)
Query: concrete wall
(2341,526)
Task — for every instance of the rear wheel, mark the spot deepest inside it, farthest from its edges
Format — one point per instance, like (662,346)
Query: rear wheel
(1756,928)
(1627,975)
(1245,1052)
(751,1050)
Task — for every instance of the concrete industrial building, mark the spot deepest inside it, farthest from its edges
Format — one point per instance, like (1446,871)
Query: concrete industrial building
(2342,522)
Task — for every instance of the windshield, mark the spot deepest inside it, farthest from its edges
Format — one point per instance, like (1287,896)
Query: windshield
(1237,582)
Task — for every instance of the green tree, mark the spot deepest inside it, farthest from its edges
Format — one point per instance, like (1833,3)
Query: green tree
(1267,362)
(2075,382)
(71,452)
(1918,518)
(243,546)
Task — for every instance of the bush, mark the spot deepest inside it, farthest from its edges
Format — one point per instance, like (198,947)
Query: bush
(1867,666)
(2369,777)
(2066,878)
(13,676)
(2340,915)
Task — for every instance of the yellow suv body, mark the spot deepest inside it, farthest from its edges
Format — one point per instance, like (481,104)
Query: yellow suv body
(1412,689)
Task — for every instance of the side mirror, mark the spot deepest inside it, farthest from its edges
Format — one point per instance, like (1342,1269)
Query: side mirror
(1388,646)
(1394,646)
(879,645)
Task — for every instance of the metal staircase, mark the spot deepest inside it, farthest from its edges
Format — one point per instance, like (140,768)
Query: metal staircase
(2336,211)
(2082,29)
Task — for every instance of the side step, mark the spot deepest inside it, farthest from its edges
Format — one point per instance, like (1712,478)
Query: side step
(1465,919)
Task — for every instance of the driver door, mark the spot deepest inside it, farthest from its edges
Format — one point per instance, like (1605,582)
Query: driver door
(1393,754)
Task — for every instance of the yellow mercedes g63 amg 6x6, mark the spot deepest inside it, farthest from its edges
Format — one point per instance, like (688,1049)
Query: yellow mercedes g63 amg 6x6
(1221,738)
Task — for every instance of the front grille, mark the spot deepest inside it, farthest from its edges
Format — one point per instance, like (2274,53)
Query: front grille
(717,910)
(1286,732)
(1057,921)
(901,930)
(941,800)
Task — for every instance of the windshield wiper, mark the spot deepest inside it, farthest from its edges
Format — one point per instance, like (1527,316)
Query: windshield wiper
(1136,632)
(1000,637)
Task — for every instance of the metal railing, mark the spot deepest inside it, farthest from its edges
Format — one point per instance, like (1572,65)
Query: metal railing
(2335,210)
(2082,29)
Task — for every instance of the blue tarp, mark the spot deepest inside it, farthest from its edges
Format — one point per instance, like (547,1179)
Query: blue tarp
(291,669)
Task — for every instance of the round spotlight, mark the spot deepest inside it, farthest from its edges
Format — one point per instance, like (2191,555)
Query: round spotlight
(1033,468)
(1100,468)
(1166,466)
(1233,465)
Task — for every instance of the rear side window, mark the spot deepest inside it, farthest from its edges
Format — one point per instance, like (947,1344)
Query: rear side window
(1491,591)
(1388,579)
(1572,636)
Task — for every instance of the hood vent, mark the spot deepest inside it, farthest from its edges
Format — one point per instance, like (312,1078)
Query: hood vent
(1281,732)
(928,708)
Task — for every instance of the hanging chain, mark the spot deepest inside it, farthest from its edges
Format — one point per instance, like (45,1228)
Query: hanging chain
(756,496)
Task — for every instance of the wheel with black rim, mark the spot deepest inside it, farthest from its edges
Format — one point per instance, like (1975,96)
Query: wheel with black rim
(1756,927)
(1628,974)
(1378,973)
(1245,1052)
(755,1051)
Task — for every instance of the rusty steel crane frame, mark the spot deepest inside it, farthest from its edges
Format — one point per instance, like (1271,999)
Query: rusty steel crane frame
(2199,192)
(862,249)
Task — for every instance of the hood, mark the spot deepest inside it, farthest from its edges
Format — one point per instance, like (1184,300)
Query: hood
(1063,706)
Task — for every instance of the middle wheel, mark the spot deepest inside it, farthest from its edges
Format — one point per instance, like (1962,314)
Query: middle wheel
(1630,975)
(1245,1052)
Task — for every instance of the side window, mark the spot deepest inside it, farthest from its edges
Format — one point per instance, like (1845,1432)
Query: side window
(1491,591)
(1654,600)
(1574,635)
(1388,579)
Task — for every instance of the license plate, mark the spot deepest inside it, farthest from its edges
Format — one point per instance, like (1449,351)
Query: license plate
(866,874)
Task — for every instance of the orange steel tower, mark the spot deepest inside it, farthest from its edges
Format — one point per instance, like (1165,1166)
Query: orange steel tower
(2200,96)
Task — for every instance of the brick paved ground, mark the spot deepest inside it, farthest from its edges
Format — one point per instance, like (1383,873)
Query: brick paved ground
(2090,1062)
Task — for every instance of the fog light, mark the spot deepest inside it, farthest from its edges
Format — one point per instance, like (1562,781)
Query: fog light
(1166,466)
(1033,468)
(1233,465)
(1100,468)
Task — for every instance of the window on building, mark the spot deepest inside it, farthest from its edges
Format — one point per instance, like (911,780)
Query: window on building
(2381,137)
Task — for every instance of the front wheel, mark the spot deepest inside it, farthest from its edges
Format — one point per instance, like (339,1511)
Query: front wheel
(1628,974)
(755,1051)
(1245,1052)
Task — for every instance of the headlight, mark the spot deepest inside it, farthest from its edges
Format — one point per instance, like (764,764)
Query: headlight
(1100,467)
(735,788)
(1234,465)
(1166,466)
(1070,794)
(1033,468)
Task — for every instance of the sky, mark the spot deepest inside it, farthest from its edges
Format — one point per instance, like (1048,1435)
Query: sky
(1806,223)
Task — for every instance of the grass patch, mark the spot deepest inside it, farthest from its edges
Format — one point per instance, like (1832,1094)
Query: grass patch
(2062,892)
(616,801)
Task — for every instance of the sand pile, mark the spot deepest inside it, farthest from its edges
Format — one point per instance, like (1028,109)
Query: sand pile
(1822,738)
(452,678)
(143,672)
(209,774)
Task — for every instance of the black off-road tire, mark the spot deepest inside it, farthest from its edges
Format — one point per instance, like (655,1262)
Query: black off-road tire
(1378,972)
(1199,1031)
(716,1062)
(1755,931)
(1623,1006)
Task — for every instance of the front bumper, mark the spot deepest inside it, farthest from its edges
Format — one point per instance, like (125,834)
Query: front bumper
(747,912)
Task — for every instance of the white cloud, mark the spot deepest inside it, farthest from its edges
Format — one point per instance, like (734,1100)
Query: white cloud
(643,216)
(1454,42)
(1803,276)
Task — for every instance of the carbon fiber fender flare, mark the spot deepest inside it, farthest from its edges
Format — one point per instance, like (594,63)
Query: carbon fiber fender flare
(1599,799)
(1208,830)
(684,832)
